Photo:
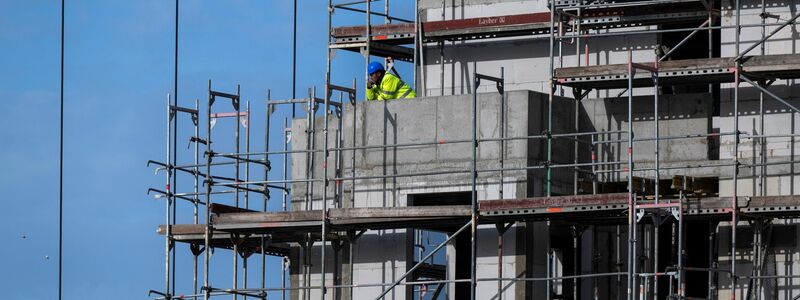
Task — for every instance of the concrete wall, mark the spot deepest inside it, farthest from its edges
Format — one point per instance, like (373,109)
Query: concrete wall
(441,120)
(679,115)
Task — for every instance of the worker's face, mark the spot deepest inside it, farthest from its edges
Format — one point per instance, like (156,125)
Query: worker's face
(376,77)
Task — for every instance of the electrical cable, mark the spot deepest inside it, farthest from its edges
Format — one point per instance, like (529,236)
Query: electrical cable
(61,161)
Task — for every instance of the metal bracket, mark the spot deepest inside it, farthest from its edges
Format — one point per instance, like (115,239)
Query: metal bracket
(502,227)
(353,236)
(337,245)
(195,139)
(196,249)
(166,296)
(267,241)
(577,93)
(235,103)
(676,213)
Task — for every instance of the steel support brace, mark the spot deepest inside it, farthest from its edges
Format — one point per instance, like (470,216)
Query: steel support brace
(686,39)
(766,91)
(764,39)
(421,261)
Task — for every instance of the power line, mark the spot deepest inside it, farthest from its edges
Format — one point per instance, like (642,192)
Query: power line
(61,161)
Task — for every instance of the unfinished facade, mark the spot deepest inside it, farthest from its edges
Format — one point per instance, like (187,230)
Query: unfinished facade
(596,150)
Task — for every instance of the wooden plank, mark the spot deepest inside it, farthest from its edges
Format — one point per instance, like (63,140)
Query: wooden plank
(180,229)
(687,71)
(401,212)
(377,30)
(664,66)
(265,217)
(293,226)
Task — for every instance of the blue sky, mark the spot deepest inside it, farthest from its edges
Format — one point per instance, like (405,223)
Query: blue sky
(119,68)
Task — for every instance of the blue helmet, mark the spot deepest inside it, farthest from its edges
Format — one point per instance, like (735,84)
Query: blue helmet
(374,67)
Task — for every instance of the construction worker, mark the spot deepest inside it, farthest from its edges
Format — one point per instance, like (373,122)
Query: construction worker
(386,86)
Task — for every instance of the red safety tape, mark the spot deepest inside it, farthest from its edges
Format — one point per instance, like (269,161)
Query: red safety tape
(167,187)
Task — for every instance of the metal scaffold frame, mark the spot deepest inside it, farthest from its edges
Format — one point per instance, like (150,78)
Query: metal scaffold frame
(323,223)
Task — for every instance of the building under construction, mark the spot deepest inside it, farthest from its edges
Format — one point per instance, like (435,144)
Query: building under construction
(561,149)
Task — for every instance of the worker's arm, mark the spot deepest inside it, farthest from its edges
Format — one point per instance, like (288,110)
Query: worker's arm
(372,92)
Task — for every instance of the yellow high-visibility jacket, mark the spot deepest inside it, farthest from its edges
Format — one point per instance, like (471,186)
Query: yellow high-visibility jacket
(390,88)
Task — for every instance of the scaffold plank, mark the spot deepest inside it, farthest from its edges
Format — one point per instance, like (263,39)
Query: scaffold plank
(633,14)
(686,71)
(294,226)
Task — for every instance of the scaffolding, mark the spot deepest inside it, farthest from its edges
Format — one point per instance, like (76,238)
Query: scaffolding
(638,209)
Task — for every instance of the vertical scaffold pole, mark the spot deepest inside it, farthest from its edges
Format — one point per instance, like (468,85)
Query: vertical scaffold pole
(339,161)
(681,286)
(309,154)
(324,208)
(294,57)
(175,140)
(168,236)
(474,202)
(367,37)
(353,152)
(208,182)
(502,134)
(550,88)
(285,149)
(265,198)
(196,188)
(441,55)
(631,201)
(236,197)
(246,253)
(734,200)
(656,91)
(548,170)
(762,141)
(416,47)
